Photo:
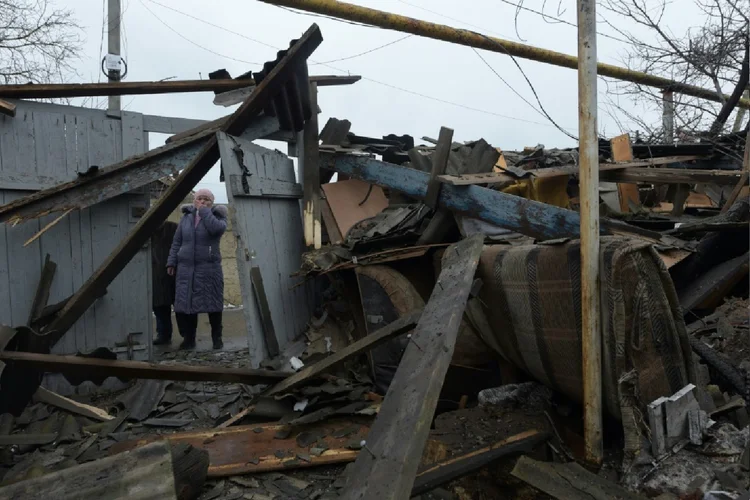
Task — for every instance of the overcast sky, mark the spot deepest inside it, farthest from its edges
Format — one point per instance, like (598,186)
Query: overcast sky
(412,86)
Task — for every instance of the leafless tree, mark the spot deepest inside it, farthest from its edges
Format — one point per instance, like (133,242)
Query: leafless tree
(38,41)
(711,55)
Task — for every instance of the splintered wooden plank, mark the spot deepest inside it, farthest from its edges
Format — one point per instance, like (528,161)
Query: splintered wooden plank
(388,464)
(51,398)
(399,327)
(622,150)
(258,448)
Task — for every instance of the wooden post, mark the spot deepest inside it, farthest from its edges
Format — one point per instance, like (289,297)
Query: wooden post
(589,188)
(311,175)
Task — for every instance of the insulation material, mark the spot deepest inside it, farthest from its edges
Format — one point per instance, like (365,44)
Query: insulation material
(352,201)
(533,292)
(550,190)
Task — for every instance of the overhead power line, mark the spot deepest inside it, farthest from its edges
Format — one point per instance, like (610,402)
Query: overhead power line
(344,71)
(170,28)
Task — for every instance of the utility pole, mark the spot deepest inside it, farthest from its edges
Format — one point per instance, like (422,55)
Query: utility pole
(114,13)
(588,150)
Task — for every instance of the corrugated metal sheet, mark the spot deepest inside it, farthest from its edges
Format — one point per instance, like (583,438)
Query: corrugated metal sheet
(46,144)
(292,105)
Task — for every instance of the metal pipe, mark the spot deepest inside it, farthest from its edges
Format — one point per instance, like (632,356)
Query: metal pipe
(387,20)
(589,194)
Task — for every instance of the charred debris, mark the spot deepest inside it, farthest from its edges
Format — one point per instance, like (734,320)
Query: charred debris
(440,353)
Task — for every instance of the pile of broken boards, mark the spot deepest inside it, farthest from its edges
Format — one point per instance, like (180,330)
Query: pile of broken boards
(674,299)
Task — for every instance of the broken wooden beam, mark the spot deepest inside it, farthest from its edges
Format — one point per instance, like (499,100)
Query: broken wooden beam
(158,470)
(543,173)
(710,288)
(80,366)
(7,108)
(402,325)
(462,465)
(269,332)
(387,467)
(285,70)
(671,176)
(568,481)
(532,218)
(41,296)
(309,166)
(57,90)
(439,164)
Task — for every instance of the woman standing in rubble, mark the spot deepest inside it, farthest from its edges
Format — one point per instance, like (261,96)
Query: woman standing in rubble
(195,259)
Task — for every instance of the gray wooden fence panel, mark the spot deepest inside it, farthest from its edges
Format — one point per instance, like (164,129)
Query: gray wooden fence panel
(269,235)
(47,144)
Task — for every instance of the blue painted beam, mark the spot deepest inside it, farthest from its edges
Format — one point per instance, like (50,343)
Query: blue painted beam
(532,218)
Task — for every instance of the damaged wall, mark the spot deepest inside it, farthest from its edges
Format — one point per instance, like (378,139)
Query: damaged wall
(46,144)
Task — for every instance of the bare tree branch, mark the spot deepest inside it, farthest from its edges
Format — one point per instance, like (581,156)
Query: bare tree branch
(37,42)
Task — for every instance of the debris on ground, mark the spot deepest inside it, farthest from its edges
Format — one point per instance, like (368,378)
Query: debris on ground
(412,328)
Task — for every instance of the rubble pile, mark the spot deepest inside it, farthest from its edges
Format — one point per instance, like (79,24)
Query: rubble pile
(414,329)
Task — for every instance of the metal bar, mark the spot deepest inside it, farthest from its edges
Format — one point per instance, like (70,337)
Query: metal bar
(387,20)
(80,366)
(588,148)
(37,91)
(532,218)
(193,173)
(387,466)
